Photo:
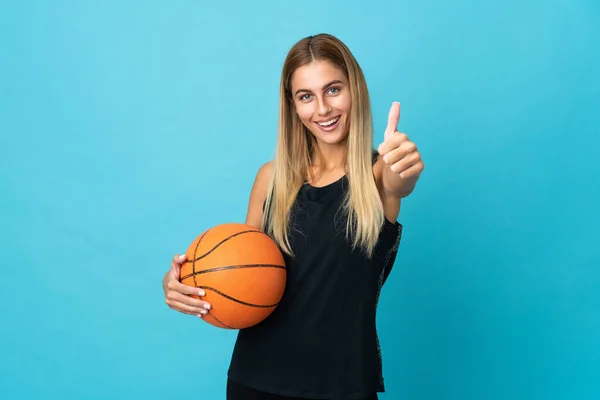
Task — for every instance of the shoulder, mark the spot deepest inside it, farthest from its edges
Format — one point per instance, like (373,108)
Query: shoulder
(265,171)
(258,194)
(263,178)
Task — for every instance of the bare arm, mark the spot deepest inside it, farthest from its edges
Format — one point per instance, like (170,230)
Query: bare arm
(179,296)
(258,195)
(391,203)
(399,165)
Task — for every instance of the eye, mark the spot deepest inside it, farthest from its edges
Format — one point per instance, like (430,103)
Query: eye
(334,90)
(304,97)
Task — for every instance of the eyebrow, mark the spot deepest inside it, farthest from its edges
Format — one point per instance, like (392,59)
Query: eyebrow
(323,88)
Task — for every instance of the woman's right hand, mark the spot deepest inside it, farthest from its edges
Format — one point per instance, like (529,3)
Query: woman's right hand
(178,296)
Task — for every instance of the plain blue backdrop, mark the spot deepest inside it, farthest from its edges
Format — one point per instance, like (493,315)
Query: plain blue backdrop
(127,128)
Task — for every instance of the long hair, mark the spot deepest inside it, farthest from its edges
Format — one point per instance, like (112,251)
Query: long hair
(296,146)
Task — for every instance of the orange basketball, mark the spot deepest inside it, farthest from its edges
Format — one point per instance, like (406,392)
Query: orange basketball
(242,272)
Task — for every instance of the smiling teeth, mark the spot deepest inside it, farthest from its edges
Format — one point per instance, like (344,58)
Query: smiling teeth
(330,122)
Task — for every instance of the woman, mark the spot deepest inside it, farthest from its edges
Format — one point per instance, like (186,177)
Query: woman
(331,203)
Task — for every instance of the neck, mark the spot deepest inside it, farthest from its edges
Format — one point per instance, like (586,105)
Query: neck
(334,157)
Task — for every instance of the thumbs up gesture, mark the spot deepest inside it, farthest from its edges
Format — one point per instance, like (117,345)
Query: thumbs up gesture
(400,156)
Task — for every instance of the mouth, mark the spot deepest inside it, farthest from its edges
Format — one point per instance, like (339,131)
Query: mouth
(330,124)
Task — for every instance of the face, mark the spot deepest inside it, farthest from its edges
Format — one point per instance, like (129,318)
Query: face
(322,100)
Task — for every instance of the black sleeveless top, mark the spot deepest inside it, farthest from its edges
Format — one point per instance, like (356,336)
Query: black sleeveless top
(321,340)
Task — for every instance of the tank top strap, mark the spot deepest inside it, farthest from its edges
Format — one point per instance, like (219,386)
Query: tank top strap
(374,156)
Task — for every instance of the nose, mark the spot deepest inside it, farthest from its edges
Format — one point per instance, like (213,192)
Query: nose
(323,107)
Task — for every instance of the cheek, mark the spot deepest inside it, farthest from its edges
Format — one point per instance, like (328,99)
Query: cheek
(342,103)
(304,112)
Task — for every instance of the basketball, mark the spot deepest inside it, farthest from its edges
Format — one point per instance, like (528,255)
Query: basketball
(242,272)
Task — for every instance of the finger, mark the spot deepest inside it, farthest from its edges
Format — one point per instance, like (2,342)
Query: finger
(178,259)
(179,287)
(387,145)
(408,167)
(176,266)
(392,142)
(393,119)
(405,162)
(185,309)
(395,155)
(413,171)
(396,148)
(188,301)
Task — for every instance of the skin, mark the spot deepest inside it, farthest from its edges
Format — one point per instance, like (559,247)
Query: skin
(320,92)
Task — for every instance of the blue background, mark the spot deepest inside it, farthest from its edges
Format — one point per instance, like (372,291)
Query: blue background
(127,128)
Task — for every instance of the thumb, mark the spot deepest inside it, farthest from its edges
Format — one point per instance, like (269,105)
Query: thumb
(393,119)
(176,265)
(174,273)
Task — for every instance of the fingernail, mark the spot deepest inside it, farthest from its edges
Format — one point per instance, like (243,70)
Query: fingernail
(207,306)
(201,292)
(199,315)
(203,311)
(181,257)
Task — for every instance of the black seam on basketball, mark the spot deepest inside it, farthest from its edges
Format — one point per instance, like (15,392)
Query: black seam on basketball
(228,267)
(194,258)
(237,300)
(223,241)
(221,322)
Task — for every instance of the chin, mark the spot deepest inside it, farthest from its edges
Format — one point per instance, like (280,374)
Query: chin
(334,137)
(330,139)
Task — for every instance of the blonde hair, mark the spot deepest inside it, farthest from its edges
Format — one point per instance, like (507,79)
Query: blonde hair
(291,165)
